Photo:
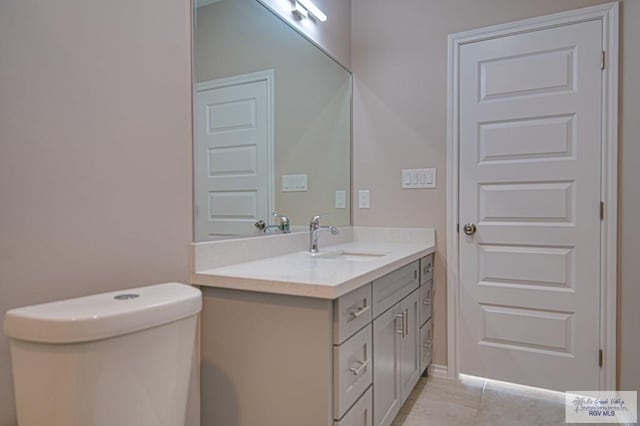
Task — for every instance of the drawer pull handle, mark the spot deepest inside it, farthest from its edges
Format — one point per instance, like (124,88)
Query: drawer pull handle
(400,316)
(359,369)
(405,325)
(404,316)
(427,269)
(427,346)
(427,301)
(359,312)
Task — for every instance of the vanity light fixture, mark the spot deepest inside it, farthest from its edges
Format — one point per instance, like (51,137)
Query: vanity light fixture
(299,11)
(303,8)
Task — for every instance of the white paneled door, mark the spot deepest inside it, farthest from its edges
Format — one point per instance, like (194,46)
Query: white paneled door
(529,192)
(232,158)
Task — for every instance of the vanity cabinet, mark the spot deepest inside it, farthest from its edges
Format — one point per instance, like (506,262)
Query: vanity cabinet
(280,360)
(396,367)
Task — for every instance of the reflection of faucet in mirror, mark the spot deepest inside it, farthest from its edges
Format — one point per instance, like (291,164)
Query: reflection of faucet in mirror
(283,227)
(314,232)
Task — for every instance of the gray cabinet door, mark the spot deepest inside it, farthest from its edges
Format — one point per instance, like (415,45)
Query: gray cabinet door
(387,336)
(410,346)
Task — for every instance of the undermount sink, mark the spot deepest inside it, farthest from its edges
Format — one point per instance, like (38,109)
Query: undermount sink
(350,255)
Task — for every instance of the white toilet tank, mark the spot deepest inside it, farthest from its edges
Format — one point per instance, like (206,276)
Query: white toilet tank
(113,359)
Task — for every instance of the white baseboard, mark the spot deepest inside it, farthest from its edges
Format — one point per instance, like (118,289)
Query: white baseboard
(437,370)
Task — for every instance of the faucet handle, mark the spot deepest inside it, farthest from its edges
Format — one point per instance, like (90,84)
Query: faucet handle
(316,219)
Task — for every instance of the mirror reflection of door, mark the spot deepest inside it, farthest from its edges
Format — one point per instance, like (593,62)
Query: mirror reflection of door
(234,155)
(311,112)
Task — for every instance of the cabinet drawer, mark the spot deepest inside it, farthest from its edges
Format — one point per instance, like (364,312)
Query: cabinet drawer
(426,269)
(426,301)
(352,370)
(351,312)
(361,414)
(393,287)
(426,344)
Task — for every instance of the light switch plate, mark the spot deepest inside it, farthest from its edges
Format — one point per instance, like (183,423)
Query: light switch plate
(364,201)
(418,178)
(293,183)
(341,199)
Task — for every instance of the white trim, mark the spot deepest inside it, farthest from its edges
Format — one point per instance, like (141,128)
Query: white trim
(452,207)
(609,228)
(609,15)
(269,77)
(437,370)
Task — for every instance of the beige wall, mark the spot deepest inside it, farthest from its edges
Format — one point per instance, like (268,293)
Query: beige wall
(95,154)
(332,35)
(311,100)
(399,61)
(629,287)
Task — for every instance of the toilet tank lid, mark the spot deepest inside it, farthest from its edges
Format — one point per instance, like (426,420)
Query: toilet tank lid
(103,315)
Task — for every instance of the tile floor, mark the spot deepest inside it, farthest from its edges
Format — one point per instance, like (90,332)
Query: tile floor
(474,401)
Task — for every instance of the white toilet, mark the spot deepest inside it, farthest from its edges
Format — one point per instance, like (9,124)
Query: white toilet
(113,359)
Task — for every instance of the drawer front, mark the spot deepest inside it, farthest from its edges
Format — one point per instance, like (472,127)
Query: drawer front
(426,301)
(393,287)
(351,312)
(361,414)
(352,370)
(426,344)
(426,269)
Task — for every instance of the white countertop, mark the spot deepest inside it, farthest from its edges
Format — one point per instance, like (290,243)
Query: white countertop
(301,274)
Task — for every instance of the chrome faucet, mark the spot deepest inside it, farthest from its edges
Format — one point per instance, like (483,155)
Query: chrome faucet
(284,226)
(314,232)
(284,223)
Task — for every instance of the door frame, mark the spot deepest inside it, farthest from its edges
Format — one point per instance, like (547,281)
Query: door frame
(609,15)
(269,77)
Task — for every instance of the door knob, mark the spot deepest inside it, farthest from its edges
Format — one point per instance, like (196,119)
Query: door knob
(469,229)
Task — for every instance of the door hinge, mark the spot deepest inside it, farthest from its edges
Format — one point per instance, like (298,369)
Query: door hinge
(603,60)
(600,357)
(601,210)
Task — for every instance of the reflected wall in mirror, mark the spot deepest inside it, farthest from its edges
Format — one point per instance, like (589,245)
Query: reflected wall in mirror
(272,125)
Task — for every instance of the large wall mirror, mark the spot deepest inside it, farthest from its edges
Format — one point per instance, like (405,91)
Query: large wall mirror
(272,125)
